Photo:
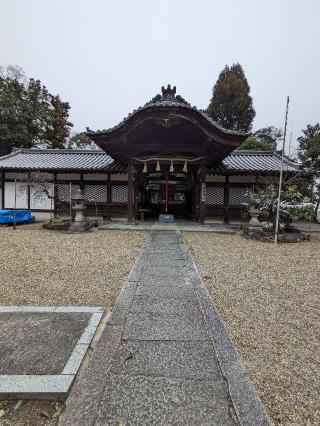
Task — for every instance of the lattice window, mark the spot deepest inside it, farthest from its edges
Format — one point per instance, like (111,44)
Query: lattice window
(215,195)
(238,196)
(119,194)
(64,191)
(96,193)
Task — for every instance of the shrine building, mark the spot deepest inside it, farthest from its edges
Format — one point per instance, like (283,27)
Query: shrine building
(164,157)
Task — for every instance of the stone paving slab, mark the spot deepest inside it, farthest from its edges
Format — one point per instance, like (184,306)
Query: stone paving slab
(160,305)
(156,326)
(167,291)
(163,401)
(41,349)
(29,345)
(189,359)
(172,282)
(164,357)
(165,271)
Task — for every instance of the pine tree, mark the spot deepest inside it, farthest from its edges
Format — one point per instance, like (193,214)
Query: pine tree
(231,103)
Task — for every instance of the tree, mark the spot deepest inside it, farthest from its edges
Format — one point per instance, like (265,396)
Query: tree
(309,154)
(231,103)
(254,144)
(81,141)
(58,126)
(309,147)
(29,115)
(270,136)
(264,139)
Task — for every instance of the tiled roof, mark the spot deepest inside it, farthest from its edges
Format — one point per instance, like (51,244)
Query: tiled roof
(95,161)
(59,159)
(168,98)
(254,161)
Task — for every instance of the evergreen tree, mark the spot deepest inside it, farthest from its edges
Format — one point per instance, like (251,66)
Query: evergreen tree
(58,126)
(309,147)
(231,103)
(254,144)
(270,136)
(81,141)
(309,154)
(29,115)
(265,139)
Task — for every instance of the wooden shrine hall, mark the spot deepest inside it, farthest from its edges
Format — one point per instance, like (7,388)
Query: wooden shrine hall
(164,157)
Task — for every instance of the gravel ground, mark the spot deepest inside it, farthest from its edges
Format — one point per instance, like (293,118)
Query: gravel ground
(269,298)
(43,267)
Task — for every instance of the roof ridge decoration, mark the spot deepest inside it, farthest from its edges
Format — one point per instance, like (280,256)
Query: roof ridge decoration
(168,95)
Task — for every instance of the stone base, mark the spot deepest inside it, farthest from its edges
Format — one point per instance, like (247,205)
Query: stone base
(292,236)
(254,232)
(78,227)
(57,225)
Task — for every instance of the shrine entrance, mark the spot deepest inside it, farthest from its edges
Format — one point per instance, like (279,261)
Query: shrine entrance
(167,145)
(171,193)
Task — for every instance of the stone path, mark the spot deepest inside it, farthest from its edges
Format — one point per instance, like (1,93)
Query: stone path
(165,356)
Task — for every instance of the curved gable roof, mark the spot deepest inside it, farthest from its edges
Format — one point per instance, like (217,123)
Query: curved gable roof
(168,99)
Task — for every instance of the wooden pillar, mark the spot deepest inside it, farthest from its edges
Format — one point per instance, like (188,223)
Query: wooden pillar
(3,189)
(55,196)
(226,200)
(28,190)
(130,192)
(202,203)
(108,194)
(81,182)
(136,194)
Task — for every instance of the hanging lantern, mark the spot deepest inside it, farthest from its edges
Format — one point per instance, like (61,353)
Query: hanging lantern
(145,169)
(185,167)
(158,166)
(171,167)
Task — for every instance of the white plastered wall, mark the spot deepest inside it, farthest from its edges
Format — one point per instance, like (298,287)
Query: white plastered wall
(21,195)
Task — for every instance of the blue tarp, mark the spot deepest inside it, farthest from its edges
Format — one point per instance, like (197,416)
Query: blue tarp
(18,216)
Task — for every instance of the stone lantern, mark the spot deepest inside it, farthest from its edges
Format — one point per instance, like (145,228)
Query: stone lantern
(79,224)
(255,228)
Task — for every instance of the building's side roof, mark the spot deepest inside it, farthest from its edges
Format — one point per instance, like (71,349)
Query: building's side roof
(59,159)
(242,162)
(167,99)
(255,162)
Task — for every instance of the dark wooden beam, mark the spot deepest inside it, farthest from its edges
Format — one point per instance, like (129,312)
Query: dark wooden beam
(130,192)
(202,202)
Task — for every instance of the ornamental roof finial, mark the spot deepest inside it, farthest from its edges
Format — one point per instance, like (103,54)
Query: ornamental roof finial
(168,90)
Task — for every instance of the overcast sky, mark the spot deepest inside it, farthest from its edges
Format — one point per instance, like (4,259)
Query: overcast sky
(109,57)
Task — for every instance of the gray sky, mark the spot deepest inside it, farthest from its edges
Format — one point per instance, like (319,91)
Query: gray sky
(109,57)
